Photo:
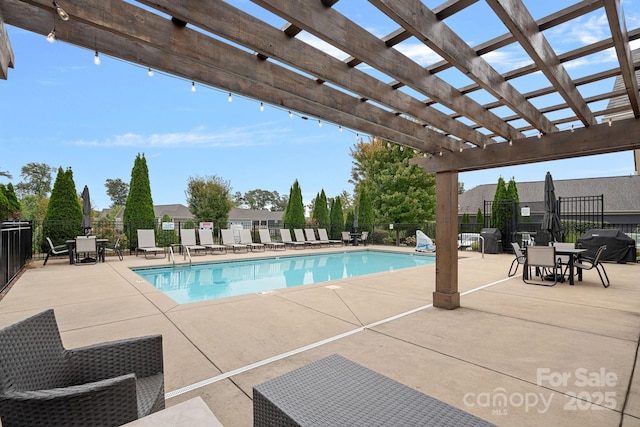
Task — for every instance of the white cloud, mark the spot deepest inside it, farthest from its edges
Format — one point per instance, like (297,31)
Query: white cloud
(504,61)
(419,52)
(260,134)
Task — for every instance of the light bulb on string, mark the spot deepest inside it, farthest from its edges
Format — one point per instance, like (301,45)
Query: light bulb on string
(230,98)
(61,12)
(193,86)
(150,72)
(96,58)
(290,115)
(319,123)
(261,107)
(51,37)
(340,128)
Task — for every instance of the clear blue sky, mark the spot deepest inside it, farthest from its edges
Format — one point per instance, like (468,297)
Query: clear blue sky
(59,108)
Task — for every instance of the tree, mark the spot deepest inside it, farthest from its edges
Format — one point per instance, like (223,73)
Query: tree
(13,204)
(320,213)
(365,211)
(260,200)
(63,219)
(479,220)
(34,208)
(346,200)
(460,187)
(294,213)
(209,198)
(117,190)
(501,208)
(138,211)
(36,180)
(399,192)
(336,216)
(464,223)
(6,174)
(5,212)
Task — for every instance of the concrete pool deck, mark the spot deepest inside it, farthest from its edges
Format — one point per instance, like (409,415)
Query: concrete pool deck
(540,351)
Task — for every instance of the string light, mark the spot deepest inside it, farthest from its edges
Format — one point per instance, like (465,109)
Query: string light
(440,153)
(539,135)
(340,128)
(150,72)
(571,128)
(610,121)
(290,114)
(96,58)
(357,136)
(51,37)
(319,123)
(510,143)
(193,86)
(230,98)
(261,107)
(61,12)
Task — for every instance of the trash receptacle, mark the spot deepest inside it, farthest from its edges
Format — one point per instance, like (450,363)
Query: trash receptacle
(492,240)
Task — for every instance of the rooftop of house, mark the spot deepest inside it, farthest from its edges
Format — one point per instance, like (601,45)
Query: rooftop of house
(616,191)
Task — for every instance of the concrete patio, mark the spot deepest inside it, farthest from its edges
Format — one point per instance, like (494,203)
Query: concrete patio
(513,354)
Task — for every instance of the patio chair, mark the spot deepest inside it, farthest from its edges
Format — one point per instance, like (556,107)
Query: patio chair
(206,240)
(188,241)
(285,234)
(564,259)
(229,240)
(519,259)
(55,250)
(115,248)
(346,237)
(324,237)
(246,239)
(363,237)
(310,237)
(147,243)
(589,264)
(105,384)
(547,265)
(265,238)
(299,235)
(86,245)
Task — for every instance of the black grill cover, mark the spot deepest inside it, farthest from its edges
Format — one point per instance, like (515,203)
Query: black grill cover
(620,247)
(492,240)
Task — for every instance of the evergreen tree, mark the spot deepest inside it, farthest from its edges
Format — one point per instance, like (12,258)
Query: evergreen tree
(63,219)
(479,220)
(464,223)
(501,208)
(348,221)
(5,211)
(9,203)
(321,211)
(294,213)
(138,211)
(14,203)
(365,211)
(337,219)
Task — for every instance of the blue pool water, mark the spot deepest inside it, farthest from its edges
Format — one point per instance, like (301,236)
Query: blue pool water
(200,282)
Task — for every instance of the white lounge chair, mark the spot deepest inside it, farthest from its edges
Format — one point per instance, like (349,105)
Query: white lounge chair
(246,239)
(299,235)
(147,243)
(285,234)
(324,238)
(265,238)
(206,240)
(229,240)
(310,235)
(188,241)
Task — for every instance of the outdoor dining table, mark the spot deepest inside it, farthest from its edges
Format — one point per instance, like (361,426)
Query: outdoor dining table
(101,243)
(355,238)
(573,254)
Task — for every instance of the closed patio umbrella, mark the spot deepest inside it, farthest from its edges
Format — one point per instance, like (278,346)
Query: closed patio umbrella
(86,210)
(550,220)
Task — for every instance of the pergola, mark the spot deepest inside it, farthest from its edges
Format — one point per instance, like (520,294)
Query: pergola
(214,43)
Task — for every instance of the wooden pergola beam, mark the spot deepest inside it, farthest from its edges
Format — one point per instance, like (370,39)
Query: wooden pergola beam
(425,26)
(337,30)
(6,53)
(278,45)
(620,135)
(619,34)
(521,24)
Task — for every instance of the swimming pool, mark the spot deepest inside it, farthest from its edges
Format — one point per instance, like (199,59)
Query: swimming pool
(200,282)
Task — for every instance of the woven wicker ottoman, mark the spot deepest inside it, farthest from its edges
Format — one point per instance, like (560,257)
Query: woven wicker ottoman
(335,391)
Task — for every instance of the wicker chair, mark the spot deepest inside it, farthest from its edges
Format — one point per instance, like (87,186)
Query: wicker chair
(107,384)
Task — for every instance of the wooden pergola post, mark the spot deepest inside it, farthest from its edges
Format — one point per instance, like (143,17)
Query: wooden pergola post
(446,294)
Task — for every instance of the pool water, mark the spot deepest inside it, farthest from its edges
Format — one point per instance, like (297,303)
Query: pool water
(200,282)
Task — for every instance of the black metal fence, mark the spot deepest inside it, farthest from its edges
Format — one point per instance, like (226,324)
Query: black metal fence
(15,249)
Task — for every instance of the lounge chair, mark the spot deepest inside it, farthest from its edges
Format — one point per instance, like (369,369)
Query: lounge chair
(105,384)
(285,234)
(265,238)
(229,240)
(299,235)
(245,239)
(324,238)
(310,236)
(115,248)
(547,265)
(55,250)
(519,259)
(188,241)
(86,245)
(147,243)
(206,240)
(589,264)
